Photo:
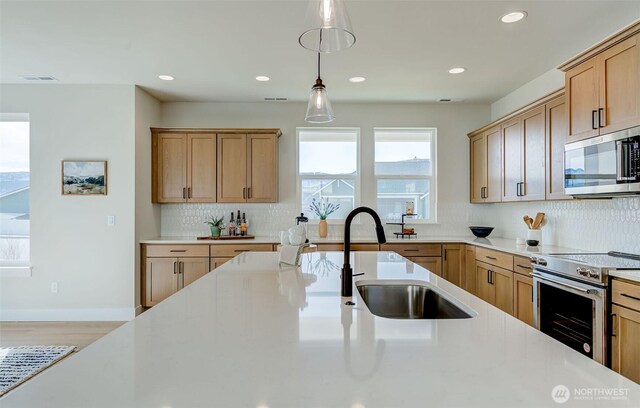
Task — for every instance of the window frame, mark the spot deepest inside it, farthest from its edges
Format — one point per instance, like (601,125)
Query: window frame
(433,178)
(356,178)
(23,269)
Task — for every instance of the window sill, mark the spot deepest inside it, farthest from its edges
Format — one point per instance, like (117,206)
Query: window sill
(15,271)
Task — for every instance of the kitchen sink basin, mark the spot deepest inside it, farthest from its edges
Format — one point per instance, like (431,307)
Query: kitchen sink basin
(409,301)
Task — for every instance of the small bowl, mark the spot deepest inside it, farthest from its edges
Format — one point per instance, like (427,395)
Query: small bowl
(532,242)
(481,232)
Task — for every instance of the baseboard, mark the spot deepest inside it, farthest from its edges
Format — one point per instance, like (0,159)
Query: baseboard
(52,315)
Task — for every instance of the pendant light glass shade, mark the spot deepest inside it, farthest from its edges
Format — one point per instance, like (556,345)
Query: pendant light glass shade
(327,27)
(319,108)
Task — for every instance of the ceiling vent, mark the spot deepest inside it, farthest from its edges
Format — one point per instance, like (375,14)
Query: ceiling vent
(275,99)
(38,78)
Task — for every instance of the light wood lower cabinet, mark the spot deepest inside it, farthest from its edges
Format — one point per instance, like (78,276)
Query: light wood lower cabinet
(326,247)
(218,261)
(430,263)
(166,276)
(453,262)
(495,285)
(625,332)
(469,271)
(523,298)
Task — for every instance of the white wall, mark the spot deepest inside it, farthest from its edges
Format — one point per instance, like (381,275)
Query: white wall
(452,120)
(70,242)
(147,215)
(546,83)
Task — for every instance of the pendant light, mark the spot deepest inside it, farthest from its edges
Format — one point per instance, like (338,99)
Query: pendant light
(327,27)
(319,108)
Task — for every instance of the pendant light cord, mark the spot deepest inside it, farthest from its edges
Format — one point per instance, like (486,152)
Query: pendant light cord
(318,65)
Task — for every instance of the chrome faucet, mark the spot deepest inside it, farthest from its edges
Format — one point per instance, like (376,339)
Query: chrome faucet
(347,272)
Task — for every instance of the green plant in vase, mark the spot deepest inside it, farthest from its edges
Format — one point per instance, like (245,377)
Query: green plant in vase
(216,224)
(323,209)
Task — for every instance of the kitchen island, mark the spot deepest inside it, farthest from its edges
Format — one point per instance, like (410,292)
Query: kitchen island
(257,334)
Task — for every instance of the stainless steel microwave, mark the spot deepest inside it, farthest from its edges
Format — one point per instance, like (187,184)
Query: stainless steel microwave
(603,166)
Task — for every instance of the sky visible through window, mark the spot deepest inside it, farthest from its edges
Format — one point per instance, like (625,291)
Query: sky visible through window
(14,147)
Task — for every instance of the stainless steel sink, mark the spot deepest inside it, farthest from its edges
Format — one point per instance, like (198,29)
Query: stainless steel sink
(409,301)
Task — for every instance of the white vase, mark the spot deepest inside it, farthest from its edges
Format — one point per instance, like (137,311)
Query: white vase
(534,235)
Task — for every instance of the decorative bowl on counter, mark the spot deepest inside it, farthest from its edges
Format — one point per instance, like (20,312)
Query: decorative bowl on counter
(481,232)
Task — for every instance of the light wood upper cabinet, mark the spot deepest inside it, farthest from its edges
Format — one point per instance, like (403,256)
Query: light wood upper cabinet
(184,168)
(169,173)
(232,168)
(262,169)
(556,138)
(523,157)
(603,91)
(486,169)
(581,86)
(201,168)
(247,168)
(511,160)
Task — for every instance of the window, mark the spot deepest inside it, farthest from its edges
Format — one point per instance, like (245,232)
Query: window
(14,190)
(328,168)
(405,167)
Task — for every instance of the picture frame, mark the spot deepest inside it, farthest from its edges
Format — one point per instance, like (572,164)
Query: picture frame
(83,177)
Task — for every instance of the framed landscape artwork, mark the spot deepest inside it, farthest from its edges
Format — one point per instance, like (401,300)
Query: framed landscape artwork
(84,177)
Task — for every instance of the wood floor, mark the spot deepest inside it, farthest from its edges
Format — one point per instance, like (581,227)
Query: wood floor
(79,334)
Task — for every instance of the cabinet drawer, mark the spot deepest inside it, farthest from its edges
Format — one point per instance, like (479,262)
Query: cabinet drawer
(408,250)
(626,294)
(522,265)
(175,251)
(494,258)
(230,250)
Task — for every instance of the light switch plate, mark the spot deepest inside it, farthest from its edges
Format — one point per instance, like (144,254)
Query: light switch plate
(111,220)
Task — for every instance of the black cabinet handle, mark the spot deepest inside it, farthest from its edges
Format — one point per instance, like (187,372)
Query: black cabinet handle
(189,192)
(629,296)
(524,266)
(184,192)
(613,325)
(177,250)
(491,257)
(593,119)
(175,270)
(600,117)
(244,193)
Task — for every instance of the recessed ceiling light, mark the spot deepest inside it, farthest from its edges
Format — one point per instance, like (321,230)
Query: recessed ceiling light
(166,77)
(357,79)
(513,17)
(457,70)
(262,78)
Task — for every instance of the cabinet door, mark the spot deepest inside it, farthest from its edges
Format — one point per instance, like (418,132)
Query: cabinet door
(619,80)
(432,264)
(171,168)
(625,347)
(581,86)
(453,263)
(523,298)
(201,175)
(469,277)
(493,191)
(232,168)
(478,166)
(511,160)
(533,142)
(217,262)
(161,279)
(191,269)
(484,290)
(556,137)
(502,282)
(262,168)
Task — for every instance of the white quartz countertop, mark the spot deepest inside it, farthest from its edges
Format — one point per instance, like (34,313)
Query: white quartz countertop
(256,334)
(499,244)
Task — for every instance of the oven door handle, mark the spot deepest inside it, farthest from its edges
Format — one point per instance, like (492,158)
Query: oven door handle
(566,285)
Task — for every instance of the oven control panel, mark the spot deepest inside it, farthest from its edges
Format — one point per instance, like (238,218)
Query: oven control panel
(567,268)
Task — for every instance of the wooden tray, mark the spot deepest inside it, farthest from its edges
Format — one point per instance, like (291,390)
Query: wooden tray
(228,237)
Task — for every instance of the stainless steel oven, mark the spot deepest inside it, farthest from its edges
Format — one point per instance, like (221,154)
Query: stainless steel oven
(571,312)
(604,165)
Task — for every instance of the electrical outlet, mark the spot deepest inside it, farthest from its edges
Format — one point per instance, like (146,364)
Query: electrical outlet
(111,220)
(54,287)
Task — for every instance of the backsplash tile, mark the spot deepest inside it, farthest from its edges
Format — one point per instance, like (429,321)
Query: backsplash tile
(595,225)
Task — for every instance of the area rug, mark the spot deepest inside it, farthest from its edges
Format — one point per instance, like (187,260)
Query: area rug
(18,364)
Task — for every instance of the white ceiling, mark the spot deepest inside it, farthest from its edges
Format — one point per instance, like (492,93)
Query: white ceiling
(216,48)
